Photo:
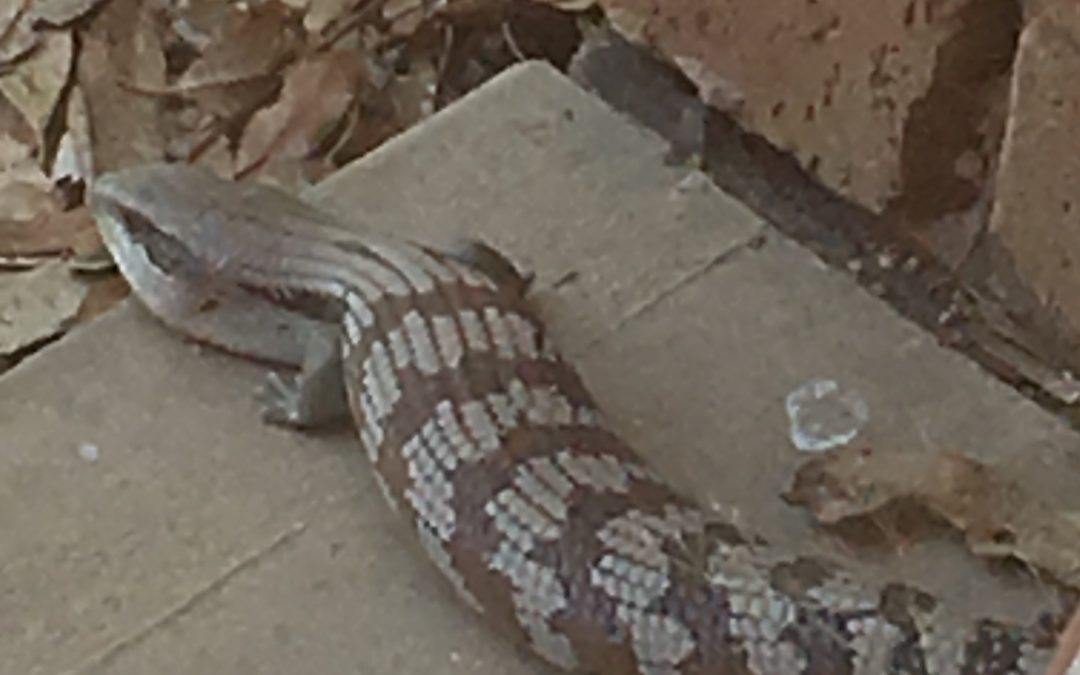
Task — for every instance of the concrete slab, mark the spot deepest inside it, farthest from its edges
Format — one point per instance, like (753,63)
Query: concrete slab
(152,525)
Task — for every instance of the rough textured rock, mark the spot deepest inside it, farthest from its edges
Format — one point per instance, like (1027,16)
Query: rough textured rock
(1036,215)
(891,108)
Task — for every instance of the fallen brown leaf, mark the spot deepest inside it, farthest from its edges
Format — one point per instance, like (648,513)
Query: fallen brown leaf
(37,305)
(237,52)
(23,202)
(18,164)
(999,519)
(323,13)
(404,15)
(120,49)
(103,293)
(317,93)
(61,12)
(237,42)
(74,156)
(46,233)
(36,85)
(17,36)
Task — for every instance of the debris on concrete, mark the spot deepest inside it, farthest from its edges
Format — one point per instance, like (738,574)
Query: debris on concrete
(823,416)
(999,518)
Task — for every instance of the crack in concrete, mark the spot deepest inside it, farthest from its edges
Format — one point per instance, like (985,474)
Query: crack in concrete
(188,604)
(753,243)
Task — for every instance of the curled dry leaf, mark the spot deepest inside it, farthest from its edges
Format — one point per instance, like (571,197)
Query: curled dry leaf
(37,305)
(998,518)
(317,93)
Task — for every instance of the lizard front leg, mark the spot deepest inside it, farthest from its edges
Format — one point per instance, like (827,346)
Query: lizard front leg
(315,397)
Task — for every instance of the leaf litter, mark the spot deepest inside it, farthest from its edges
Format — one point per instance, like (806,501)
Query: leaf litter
(278,91)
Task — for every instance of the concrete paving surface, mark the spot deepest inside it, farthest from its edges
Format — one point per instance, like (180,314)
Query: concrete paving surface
(150,524)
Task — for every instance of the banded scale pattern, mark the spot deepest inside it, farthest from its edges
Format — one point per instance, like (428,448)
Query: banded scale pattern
(488,442)
(546,521)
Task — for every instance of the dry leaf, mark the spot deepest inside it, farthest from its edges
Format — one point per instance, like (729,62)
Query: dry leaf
(317,92)
(20,203)
(324,12)
(37,305)
(240,42)
(74,157)
(61,12)
(242,50)
(103,293)
(18,143)
(121,49)
(17,36)
(404,16)
(18,164)
(35,86)
(34,227)
(997,517)
(26,206)
(217,156)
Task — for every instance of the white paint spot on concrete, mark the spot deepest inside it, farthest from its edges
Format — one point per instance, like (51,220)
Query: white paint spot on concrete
(88,451)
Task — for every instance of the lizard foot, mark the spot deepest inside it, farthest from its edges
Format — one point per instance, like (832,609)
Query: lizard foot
(282,401)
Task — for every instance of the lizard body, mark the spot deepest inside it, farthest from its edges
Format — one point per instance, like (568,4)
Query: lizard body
(488,442)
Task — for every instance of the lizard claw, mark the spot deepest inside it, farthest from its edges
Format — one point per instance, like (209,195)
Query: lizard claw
(304,401)
(281,400)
